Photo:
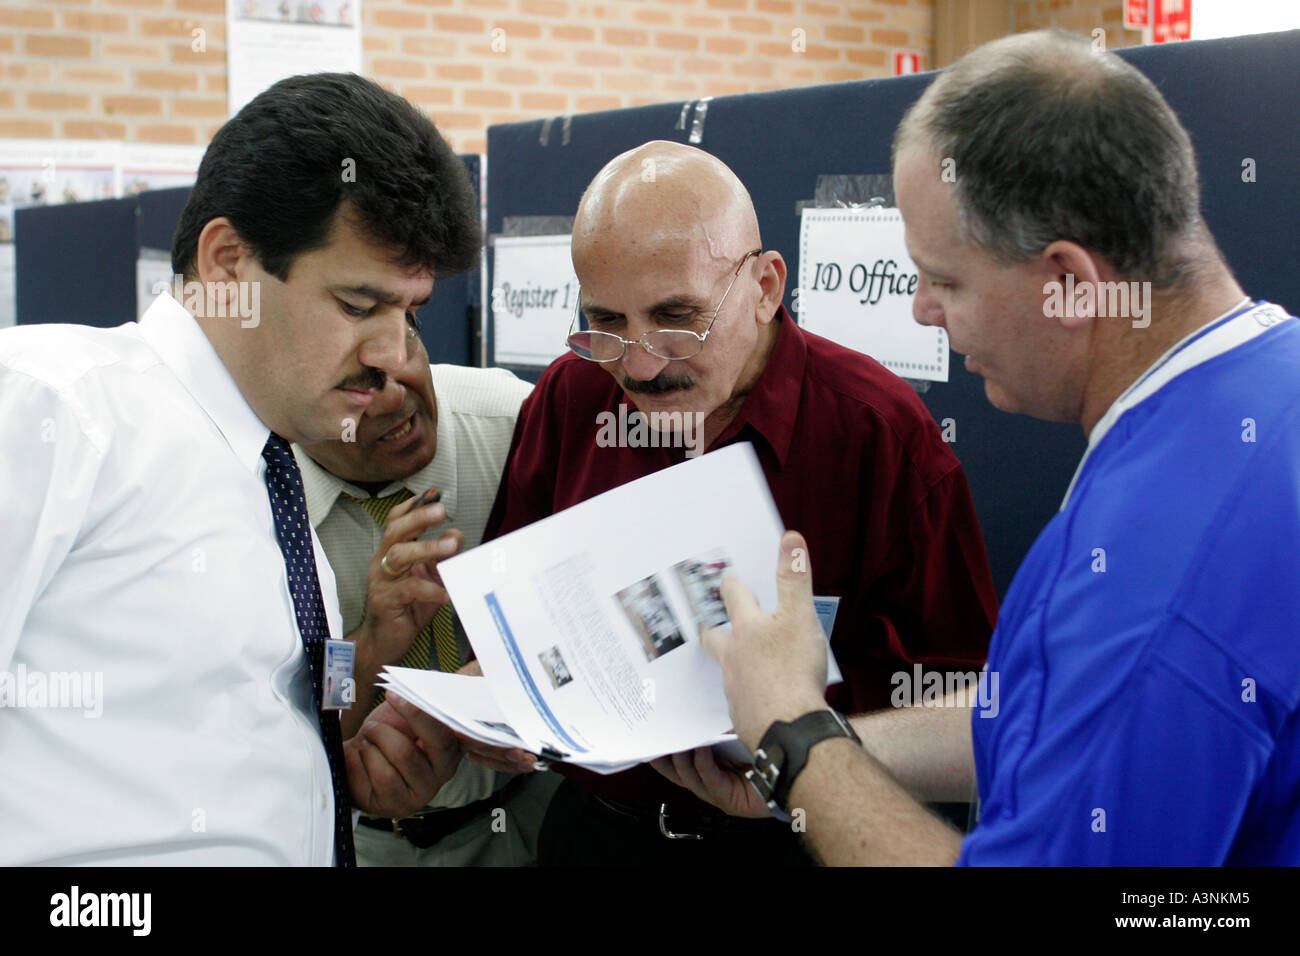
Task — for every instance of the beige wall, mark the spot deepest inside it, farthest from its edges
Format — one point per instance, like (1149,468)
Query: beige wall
(962,25)
(1081,16)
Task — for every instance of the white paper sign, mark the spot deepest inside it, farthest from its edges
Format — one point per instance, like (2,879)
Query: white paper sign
(46,172)
(534,295)
(145,166)
(268,40)
(8,292)
(856,285)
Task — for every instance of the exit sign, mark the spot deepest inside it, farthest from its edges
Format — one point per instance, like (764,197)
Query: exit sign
(1137,14)
(1172,20)
(906,61)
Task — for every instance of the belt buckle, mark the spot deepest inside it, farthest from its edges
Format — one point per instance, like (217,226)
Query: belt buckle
(397,828)
(670,834)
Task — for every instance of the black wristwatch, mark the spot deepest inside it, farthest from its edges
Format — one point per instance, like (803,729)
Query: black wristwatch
(783,753)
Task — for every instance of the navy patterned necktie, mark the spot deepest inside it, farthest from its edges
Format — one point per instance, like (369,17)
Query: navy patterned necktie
(289,506)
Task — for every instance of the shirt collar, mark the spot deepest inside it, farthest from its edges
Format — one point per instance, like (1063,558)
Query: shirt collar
(1238,325)
(322,487)
(175,335)
(773,404)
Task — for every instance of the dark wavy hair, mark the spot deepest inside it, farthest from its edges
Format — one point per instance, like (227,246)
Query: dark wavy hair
(281,167)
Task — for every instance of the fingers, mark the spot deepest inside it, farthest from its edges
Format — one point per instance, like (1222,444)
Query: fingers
(740,604)
(401,778)
(705,769)
(399,759)
(387,713)
(509,764)
(664,765)
(505,759)
(400,548)
(450,542)
(684,765)
(677,768)
(413,517)
(793,590)
(793,583)
(699,772)
(739,599)
(416,504)
(399,556)
(435,739)
(411,589)
(680,769)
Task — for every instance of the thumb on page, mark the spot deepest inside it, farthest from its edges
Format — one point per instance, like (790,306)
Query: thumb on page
(793,575)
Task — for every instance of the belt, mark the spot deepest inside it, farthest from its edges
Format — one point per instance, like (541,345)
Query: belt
(681,822)
(425,829)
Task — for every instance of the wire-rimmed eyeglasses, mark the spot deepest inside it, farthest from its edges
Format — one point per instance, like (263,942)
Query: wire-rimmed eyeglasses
(673,344)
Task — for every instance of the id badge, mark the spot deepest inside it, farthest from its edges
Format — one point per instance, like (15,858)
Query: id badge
(339,689)
(827,608)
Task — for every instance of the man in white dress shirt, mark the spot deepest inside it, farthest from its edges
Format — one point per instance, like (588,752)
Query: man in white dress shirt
(156,701)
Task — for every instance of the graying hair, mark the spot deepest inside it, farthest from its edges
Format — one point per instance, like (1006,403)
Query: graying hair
(1051,140)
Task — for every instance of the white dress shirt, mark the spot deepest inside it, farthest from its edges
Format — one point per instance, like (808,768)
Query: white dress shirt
(140,553)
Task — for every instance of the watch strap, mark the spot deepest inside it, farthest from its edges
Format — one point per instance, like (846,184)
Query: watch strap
(782,754)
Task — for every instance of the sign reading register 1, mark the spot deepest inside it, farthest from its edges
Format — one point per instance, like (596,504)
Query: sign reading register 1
(856,285)
(534,295)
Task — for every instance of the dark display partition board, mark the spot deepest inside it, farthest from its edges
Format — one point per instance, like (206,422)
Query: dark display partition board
(76,263)
(1239,99)
(160,213)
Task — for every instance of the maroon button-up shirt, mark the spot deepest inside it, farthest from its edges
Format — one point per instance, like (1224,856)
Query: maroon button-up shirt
(854,462)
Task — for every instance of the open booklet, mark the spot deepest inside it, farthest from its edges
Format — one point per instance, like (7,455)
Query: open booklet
(587,623)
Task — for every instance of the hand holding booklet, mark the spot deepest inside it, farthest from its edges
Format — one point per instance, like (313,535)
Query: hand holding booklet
(587,623)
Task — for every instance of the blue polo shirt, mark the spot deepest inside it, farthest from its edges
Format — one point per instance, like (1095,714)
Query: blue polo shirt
(1148,651)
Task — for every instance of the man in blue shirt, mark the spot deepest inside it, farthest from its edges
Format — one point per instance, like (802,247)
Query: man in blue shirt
(1141,702)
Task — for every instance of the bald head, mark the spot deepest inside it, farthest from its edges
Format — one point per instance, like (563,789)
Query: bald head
(666,243)
(660,196)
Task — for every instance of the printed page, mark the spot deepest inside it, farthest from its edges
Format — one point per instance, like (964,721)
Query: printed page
(587,623)
(463,703)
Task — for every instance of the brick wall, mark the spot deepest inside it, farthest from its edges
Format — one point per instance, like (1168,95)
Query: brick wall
(125,69)
(1080,16)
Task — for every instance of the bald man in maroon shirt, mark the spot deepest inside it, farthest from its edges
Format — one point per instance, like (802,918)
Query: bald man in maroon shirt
(685,323)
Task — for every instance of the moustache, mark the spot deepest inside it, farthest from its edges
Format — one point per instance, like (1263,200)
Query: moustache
(657,385)
(370,378)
